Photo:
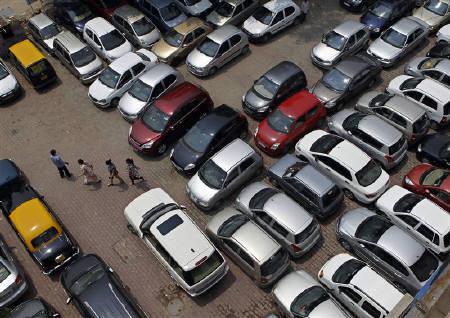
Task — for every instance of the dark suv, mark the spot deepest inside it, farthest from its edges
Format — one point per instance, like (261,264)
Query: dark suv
(12,178)
(356,5)
(72,14)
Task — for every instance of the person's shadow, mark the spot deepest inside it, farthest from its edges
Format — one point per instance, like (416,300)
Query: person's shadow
(142,185)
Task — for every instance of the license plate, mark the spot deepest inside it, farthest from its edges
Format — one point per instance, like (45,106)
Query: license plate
(60,258)
(44,77)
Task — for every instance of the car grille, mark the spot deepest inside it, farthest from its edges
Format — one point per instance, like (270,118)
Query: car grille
(134,142)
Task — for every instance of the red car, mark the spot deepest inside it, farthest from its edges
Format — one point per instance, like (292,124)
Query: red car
(429,181)
(168,118)
(294,117)
(105,8)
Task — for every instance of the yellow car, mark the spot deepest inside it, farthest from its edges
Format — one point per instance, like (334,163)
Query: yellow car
(39,229)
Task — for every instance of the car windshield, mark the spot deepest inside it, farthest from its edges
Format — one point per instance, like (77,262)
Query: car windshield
(197,139)
(263,15)
(334,40)
(425,266)
(141,91)
(407,203)
(394,38)
(87,279)
(79,13)
(83,57)
(208,47)
(372,228)
(352,121)
(3,71)
(170,12)
(109,77)
(369,174)
(436,6)
(38,68)
(4,272)
(308,300)
(44,237)
(50,31)
(112,40)
(279,121)
(232,225)
(336,80)
(225,9)
(204,269)
(265,88)
(326,143)
(274,263)
(410,83)
(155,119)
(429,63)
(381,10)
(345,272)
(434,177)
(212,175)
(174,38)
(143,26)
(261,197)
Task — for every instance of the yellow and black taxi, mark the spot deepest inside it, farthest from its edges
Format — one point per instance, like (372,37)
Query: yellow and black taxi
(39,229)
(30,61)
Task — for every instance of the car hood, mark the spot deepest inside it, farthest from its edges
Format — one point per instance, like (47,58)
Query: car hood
(216,19)
(91,67)
(119,51)
(131,105)
(269,136)
(325,52)
(254,100)
(383,49)
(177,20)
(141,133)
(414,63)
(183,155)
(253,26)
(427,16)
(198,59)
(100,91)
(163,49)
(324,93)
(372,21)
(200,190)
(7,84)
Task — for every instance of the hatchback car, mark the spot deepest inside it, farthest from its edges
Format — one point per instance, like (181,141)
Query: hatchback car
(273,87)
(441,49)
(306,185)
(164,13)
(33,308)
(361,289)
(400,112)
(344,40)
(119,76)
(435,149)
(279,215)
(168,118)
(398,40)
(356,5)
(387,248)
(176,242)
(345,80)
(254,251)
(195,8)
(73,15)
(44,30)
(223,174)
(360,177)
(217,49)
(293,118)
(12,179)
(10,88)
(231,12)
(443,35)
(212,132)
(105,8)
(431,182)
(376,137)
(435,68)
(434,13)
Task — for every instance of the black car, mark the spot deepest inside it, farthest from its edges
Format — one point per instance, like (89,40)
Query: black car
(72,14)
(12,178)
(96,290)
(435,149)
(33,308)
(206,137)
(441,49)
(356,5)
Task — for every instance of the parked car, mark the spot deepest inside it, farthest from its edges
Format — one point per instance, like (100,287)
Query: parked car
(280,216)
(398,40)
(344,40)
(271,18)
(33,308)
(217,49)
(360,177)
(252,249)
(431,182)
(231,12)
(105,8)
(387,248)
(443,35)
(97,291)
(441,49)
(356,5)
(195,8)
(164,13)
(44,30)
(212,132)
(345,80)
(294,117)
(434,68)
(223,174)
(105,39)
(177,243)
(383,13)
(435,149)
(12,179)
(73,15)
(38,227)
(176,44)
(168,118)
(119,76)
(358,287)
(434,13)
(423,219)
(77,57)
(10,88)
(273,87)
(137,28)
(376,137)
(148,87)
(431,95)
(400,112)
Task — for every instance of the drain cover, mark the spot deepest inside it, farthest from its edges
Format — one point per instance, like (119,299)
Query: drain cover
(175,307)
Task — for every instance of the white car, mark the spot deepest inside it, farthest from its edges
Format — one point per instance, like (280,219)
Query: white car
(359,176)
(431,95)
(105,39)
(433,13)
(432,67)
(44,30)
(177,243)
(118,77)
(358,287)
(9,86)
(426,221)
(443,35)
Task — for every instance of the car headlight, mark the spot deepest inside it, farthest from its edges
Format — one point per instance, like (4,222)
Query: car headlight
(256,130)
(102,101)
(148,144)
(189,166)
(408,181)
(275,146)
(130,130)
(263,109)
(376,30)
(171,152)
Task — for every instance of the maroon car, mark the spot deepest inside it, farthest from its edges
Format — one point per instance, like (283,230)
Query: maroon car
(168,118)
(105,8)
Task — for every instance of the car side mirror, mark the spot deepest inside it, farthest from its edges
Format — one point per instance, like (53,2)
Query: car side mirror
(182,207)
(427,191)
(68,300)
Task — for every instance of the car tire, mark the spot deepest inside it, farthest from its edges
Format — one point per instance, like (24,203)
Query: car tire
(243,134)
(212,71)
(434,125)
(349,194)
(245,50)
(345,245)
(266,37)
(115,102)
(161,149)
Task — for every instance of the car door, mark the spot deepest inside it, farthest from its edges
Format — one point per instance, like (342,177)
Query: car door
(157,91)
(188,43)
(235,48)
(362,37)
(124,83)
(277,22)
(350,46)
(231,182)
(247,9)
(177,124)
(298,129)
(98,45)
(439,195)
(264,220)
(350,298)
(289,15)
(223,54)
(337,172)
(89,38)
(431,107)
(240,257)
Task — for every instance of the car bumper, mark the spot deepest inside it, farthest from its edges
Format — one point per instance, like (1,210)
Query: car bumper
(11,95)
(89,78)
(308,244)
(54,269)
(211,282)
(98,103)
(365,200)
(127,116)
(253,112)
(197,71)
(268,150)
(391,164)
(138,147)
(14,294)
(46,83)
(320,63)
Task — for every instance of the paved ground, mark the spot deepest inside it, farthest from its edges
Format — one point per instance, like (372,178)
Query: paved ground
(63,118)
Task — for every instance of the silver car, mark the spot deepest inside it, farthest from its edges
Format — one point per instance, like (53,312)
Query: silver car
(398,40)
(44,30)
(344,40)
(217,49)
(434,13)
(283,218)
(387,248)
(376,137)
(223,174)
(435,68)
(194,8)
(231,12)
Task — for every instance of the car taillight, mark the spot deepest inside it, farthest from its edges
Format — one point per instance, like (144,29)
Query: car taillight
(201,261)
(320,274)
(389,158)
(295,248)
(18,279)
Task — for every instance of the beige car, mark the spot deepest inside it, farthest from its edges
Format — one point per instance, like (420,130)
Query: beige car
(179,41)
(434,13)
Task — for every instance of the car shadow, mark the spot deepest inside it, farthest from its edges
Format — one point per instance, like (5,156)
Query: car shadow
(229,65)
(50,87)
(216,291)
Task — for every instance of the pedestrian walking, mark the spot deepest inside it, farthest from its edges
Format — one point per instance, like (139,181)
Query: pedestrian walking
(133,171)
(60,164)
(87,171)
(304,9)
(113,173)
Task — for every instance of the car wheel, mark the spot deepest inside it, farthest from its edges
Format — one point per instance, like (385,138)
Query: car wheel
(266,37)
(212,71)
(346,245)
(434,125)
(320,123)
(372,82)
(131,229)
(349,194)
(245,50)
(115,102)
(243,134)
(161,149)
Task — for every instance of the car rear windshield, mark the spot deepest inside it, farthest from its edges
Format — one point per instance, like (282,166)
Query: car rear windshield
(143,26)
(434,177)
(168,225)
(425,266)
(280,122)
(44,237)
(3,71)
(420,124)
(79,12)
(232,225)
(369,174)
(170,12)
(372,228)
(326,143)
(49,31)
(203,270)
(83,57)
(394,38)
(436,6)
(198,140)
(39,68)
(352,121)
(345,273)
(397,146)
(263,15)
(308,300)
(87,279)
(274,263)
(212,175)
(4,272)
(407,203)
(330,196)
(112,40)
(300,237)
(260,198)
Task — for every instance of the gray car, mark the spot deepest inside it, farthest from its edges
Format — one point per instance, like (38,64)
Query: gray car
(435,68)
(194,8)
(387,248)
(44,30)
(398,40)
(344,40)
(223,174)
(383,142)
(343,81)
(232,12)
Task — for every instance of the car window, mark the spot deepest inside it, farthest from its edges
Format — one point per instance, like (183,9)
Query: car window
(247,3)
(399,120)
(426,232)
(246,164)
(231,176)
(128,28)
(158,90)
(311,113)
(441,195)
(235,39)
(386,113)
(446,80)
(89,33)
(245,257)
(360,34)
(411,221)
(126,77)
(337,167)
(278,18)
(288,11)
(414,95)
(410,39)
(264,217)
(232,246)
(431,103)
(138,68)
(310,195)
(97,41)
(223,48)
(169,80)
(388,258)
(189,38)
(280,230)
(238,9)
(154,11)
(199,32)
(350,293)
(351,41)
(300,122)
(433,74)
(371,310)
(367,139)
(118,19)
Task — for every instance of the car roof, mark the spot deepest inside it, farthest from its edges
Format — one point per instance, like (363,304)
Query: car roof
(129,13)
(171,101)
(314,180)
(218,118)
(154,75)
(26,53)
(41,20)
(406,107)
(299,104)
(380,130)
(70,41)
(125,62)
(80,266)
(188,25)
(406,25)
(282,72)
(8,171)
(223,33)
(100,26)
(354,158)
(436,89)
(28,308)
(160,3)
(232,154)
(443,65)
(432,215)
(277,5)
(352,66)
(349,28)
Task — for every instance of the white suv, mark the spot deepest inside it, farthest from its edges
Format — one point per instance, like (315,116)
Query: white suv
(178,244)
(359,176)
